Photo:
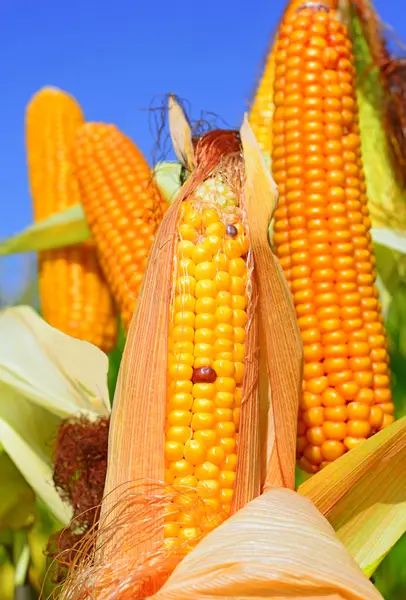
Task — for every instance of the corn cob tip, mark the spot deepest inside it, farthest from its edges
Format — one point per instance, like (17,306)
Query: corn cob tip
(50,93)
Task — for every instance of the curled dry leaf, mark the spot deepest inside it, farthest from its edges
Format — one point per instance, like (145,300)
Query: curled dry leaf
(279,546)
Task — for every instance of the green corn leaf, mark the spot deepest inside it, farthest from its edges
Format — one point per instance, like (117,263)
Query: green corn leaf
(362,494)
(390,577)
(168,178)
(70,226)
(63,229)
(46,376)
(390,238)
(386,196)
(17,500)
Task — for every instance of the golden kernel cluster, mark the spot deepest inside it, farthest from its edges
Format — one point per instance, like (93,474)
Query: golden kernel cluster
(207,333)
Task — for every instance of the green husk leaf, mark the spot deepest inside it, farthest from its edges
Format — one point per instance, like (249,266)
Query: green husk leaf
(168,178)
(362,494)
(6,575)
(385,192)
(62,229)
(390,238)
(38,536)
(390,577)
(17,500)
(396,330)
(45,376)
(391,269)
(70,227)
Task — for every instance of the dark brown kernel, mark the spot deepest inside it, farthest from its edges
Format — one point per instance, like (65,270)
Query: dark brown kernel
(232,230)
(204,375)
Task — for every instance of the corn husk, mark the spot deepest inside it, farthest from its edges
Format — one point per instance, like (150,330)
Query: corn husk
(281,333)
(383,172)
(279,546)
(45,376)
(362,494)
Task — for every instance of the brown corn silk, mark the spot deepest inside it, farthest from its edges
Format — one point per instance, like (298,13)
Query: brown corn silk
(74,296)
(133,557)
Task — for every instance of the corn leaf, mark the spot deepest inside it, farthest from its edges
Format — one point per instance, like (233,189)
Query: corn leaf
(385,193)
(363,495)
(62,374)
(26,434)
(44,526)
(70,226)
(45,376)
(277,546)
(396,330)
(390,576)
(6,575)
(17,500)
(167,177)
(62,229)
(390,238)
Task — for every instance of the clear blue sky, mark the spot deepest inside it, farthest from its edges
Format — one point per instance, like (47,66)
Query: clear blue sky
(115,56)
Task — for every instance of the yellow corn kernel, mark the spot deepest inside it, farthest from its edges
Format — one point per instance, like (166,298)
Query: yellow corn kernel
(74,296)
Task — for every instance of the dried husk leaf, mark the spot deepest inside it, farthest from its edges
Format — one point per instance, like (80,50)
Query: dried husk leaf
(279,546)
(136,439)
(363,495)
(181,135)
(248,476)
(278,318)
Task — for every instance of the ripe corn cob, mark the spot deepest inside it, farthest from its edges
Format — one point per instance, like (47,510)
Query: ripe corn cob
(122,205)
(322,239)
(207,333)
(73,294)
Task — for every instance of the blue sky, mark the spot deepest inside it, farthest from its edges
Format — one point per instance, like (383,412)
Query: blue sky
(115,57)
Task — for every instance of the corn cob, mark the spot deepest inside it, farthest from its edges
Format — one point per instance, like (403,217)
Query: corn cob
(207,332)
(323,242)
(122,205)
(73,294)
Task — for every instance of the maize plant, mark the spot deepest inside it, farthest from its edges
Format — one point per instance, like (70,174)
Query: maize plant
(178,425)
(74,296)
